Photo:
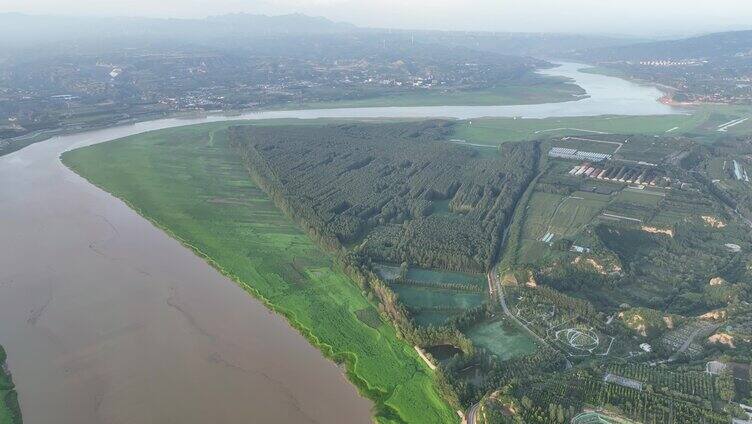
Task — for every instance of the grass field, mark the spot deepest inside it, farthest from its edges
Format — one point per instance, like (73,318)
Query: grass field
(701,122)
(560,215)
(9,409)
(495,131)
(648,198)
(502,340)
(188,182)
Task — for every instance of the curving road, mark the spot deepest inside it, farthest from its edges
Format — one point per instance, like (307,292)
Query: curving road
(472,413)
(494,280)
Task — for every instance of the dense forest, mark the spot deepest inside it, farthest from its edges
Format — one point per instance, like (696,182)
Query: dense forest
(10,412)
(398,192)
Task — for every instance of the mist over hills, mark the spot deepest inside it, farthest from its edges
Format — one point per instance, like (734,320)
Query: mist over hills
(710,46)
(20,32)
(23,31)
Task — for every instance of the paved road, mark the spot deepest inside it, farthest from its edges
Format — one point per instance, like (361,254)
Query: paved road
(472,413)
(497,287)
(705,329)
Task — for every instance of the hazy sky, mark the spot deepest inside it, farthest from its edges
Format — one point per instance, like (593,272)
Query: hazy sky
(602,16)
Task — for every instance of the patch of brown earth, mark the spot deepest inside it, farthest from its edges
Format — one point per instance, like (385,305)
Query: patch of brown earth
(722,338)
(655,230)
(713,221)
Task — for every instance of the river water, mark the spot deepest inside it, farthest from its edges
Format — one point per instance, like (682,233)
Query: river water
(106,319)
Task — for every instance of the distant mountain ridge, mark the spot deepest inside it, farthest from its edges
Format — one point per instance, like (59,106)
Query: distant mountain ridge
(711,46)
(21,31)
(291,23)
(540,45)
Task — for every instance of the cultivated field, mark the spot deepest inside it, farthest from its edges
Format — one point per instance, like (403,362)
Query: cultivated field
(188,182)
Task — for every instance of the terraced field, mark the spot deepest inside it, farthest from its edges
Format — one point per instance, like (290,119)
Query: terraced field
(190,183)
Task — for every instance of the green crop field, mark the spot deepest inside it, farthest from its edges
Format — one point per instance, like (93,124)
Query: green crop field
(647,198)
(190,183)
(503,340)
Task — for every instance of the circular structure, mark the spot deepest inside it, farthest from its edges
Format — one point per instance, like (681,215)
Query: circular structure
(578,339)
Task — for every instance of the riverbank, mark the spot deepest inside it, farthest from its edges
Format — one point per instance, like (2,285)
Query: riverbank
(570,90)
(540,90)
(199,192)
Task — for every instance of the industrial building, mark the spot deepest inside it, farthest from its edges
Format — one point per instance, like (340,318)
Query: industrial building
(565,153)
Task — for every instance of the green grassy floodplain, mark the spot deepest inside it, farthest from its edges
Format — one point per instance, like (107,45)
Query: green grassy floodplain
(699,121)
(188,182)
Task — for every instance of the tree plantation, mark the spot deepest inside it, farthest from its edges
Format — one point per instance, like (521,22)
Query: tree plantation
(398,191)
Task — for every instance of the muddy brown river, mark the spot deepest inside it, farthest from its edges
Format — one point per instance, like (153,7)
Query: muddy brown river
(106,319)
